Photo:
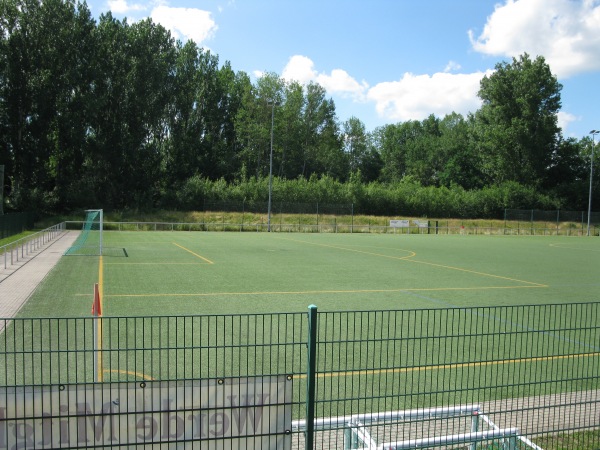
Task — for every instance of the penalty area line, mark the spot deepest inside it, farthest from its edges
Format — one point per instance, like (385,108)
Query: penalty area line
(193,253)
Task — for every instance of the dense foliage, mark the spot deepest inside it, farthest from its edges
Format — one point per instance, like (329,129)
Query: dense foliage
(103,113)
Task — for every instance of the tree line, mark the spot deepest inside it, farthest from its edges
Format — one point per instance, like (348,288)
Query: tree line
(104,113)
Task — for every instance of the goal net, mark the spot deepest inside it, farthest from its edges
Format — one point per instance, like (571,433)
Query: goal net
(89,241)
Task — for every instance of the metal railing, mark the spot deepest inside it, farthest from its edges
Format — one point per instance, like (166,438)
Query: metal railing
(20,250)
(356,379)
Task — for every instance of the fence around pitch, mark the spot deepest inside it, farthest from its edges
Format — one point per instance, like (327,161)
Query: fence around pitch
(435,227)
(379,377)
(536,215)
(15,223)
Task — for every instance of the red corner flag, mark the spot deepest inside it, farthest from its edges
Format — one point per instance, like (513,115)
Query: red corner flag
(96,306)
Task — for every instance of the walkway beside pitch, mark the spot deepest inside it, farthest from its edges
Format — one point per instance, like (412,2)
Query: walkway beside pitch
(18,282)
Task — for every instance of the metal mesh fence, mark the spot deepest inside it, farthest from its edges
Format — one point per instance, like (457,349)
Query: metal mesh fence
(535,215)
(15,223)
(280,208)
(394,377)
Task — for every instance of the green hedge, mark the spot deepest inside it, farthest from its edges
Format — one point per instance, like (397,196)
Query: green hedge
(406,197)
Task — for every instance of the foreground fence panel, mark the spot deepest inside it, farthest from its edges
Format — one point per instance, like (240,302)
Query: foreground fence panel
(501,377)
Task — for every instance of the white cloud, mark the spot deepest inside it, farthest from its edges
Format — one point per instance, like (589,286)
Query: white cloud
(452,66)
(564,119)
(565,32)
(123,7)
(301,69)
(340,82)
(185,23)
(414,97)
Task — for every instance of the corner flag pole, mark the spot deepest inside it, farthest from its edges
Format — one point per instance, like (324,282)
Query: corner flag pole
(97,314)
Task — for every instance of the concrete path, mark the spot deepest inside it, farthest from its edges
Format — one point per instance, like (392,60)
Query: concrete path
(19,280)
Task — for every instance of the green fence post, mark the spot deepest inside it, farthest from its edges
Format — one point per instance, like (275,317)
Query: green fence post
(310,377)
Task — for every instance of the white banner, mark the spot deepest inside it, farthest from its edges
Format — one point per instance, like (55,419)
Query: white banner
(223,413)
(399,223)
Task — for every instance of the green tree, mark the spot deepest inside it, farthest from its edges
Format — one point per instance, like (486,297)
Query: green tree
(322,150)
(517,128)
(231,89)
(259,104)
(46,84)
(133,89)
(569,172)
(423,162)
(361,151)
(289,132)
(387,140)
(201,117)
(181,154)
(409,149)
(8,15)
(355,142)
(457,159)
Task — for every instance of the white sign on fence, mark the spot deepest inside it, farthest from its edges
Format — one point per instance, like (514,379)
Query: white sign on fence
(399,223)
(247,413)
(421,223)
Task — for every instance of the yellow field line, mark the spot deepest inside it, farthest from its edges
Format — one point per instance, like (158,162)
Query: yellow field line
(450,366)
(155,264)
(348,291)
(408,258)
(478,273)
(195,254)
(412,254)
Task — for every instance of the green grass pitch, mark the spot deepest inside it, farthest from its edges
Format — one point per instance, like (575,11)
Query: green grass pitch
(181,273)
(212,275)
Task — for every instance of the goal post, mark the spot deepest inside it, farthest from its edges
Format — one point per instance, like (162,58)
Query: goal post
(89,242)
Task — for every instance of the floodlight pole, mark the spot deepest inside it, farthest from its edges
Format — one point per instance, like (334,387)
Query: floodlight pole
(593,133)
(272,104)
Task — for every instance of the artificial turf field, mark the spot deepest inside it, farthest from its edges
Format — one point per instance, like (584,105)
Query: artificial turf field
(365,364)
(191,273)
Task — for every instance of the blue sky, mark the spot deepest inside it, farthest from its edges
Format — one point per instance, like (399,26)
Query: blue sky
(388,61)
